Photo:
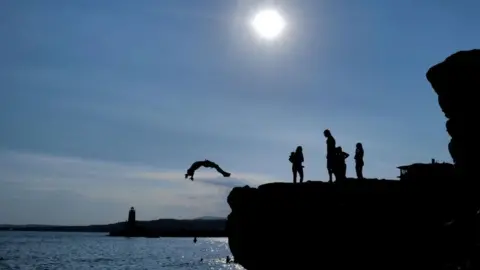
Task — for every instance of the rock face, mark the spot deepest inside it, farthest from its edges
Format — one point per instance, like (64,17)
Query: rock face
(456,81)
(376,224)
(371,224)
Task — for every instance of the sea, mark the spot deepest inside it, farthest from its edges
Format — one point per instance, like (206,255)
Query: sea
(95,251)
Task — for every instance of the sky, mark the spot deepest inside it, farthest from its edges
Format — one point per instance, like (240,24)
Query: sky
(105,104)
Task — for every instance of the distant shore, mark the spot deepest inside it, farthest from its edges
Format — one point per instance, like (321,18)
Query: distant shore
(157,228)
(214,234)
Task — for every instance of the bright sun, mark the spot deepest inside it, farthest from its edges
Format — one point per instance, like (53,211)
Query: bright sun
(268,24)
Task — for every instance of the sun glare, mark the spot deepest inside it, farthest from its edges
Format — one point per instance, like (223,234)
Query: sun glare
(268,24)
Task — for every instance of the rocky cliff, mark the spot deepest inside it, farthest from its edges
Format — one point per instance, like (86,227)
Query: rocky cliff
(376,224)
(371,224)
(456,81)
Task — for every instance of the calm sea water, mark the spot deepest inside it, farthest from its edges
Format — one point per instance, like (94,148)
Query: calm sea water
(53,250)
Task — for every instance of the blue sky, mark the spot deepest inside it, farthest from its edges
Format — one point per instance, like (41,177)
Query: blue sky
(104,104)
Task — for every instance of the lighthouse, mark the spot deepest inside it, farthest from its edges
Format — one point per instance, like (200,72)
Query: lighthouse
(131,217)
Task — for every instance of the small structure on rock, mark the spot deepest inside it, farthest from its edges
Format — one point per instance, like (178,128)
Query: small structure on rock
(132,228)
(426,171)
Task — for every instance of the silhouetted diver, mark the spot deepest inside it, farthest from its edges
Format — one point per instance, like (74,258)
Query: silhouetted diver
(195,240)
(207,164)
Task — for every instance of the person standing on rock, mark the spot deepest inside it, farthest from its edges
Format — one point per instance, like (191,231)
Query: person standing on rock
(296,158)
(330,153)
(340,164)
(359,161)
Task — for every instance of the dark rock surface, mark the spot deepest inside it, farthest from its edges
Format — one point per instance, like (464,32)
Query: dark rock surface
(376,224)
(372,224)
(456,82)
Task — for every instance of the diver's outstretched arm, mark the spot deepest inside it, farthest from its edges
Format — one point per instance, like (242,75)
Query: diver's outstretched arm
(193,168)
(189,174)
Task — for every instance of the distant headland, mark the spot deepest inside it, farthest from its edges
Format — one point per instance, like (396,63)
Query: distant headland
(201,227)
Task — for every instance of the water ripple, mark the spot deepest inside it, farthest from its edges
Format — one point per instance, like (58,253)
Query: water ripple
(71,251)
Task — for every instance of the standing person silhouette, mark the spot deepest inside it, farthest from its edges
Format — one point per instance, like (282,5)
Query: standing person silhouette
(297,159)
(340,166)
(359,160)
(331,151)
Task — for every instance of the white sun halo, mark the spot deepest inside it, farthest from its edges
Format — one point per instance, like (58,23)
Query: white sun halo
(268,24)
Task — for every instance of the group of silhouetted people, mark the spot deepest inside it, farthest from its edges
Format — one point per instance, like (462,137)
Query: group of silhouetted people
(336,160)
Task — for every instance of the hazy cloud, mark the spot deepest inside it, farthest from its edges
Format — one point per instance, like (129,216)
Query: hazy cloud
(72,190)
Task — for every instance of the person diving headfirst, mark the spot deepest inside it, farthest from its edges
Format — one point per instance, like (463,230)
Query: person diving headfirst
(207,164)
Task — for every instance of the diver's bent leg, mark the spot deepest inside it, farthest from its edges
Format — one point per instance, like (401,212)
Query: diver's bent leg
(221,171)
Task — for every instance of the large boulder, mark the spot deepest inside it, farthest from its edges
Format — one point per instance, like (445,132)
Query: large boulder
(456,80)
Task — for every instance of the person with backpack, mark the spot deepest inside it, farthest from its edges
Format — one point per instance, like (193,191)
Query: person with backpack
(296,158)
(340,167)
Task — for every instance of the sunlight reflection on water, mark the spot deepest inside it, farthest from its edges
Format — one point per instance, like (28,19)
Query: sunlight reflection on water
(51,250)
